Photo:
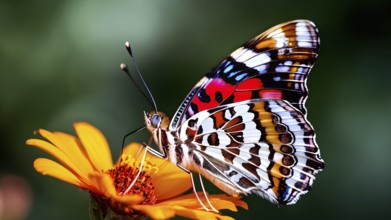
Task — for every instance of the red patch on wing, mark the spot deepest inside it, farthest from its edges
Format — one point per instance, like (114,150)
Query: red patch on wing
(241,96)
(250,84)
(270,94)
(217,90)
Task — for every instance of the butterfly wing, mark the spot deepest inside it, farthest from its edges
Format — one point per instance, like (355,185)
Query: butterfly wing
(273,65)
(257,146)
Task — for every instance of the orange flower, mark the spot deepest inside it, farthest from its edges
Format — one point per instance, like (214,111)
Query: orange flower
(156,192)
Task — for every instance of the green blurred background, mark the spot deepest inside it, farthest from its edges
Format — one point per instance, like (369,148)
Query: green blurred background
(59,63)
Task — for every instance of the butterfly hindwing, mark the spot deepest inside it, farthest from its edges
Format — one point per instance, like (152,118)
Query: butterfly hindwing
(261,146)
(273,65)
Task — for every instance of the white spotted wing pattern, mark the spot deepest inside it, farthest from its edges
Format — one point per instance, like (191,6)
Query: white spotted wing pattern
(244,126)
(258,146)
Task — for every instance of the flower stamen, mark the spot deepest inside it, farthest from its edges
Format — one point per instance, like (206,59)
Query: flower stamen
(124,175)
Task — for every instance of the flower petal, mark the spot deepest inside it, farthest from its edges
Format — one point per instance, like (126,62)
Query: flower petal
(194,214)
(53,169)
(156,212)
(174,180)
(134,149)
(96,146)
(74,148)
(224,217)
(58,154)
(105,188)
(169,211)
(71,148)
(223,201)
(220,201)
(189,207)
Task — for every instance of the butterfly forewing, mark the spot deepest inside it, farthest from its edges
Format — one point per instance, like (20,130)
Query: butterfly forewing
(273,65)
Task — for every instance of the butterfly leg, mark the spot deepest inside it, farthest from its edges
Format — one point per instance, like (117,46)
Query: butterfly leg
(195,190)
(147,149)
(206,195)
(123,145)
(164,156)
(139,171)
(128,134)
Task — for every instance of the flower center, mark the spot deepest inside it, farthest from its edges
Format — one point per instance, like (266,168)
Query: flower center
(124,175)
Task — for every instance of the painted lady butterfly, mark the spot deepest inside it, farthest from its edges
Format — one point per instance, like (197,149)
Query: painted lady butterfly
(244,126)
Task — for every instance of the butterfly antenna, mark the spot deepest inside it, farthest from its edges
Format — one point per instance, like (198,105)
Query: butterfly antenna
(126,70)
(129,49)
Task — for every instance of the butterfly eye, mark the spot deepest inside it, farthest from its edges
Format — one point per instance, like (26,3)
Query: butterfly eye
(156,119)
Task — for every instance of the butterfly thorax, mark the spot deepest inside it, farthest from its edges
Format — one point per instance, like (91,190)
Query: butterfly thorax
(169,142)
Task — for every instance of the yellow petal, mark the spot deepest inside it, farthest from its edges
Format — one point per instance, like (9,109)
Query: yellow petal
(58,154)
(69,145)
(156,212)
(133,149)
(174,180)
(181,208)
(137,151)
(96,146)
(224,217)
(218,201)
(194,214)
(105,187)
(53,169)
(50,137)
(223,201)
(73,147)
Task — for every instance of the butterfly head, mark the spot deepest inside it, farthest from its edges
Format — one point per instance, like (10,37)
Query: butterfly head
(154,120)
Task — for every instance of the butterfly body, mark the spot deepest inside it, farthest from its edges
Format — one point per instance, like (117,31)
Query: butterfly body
(244,126)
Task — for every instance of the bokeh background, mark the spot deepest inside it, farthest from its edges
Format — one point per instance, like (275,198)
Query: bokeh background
(59,63)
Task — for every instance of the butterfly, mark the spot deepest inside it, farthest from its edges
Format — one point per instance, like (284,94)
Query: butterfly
(243,126)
